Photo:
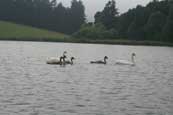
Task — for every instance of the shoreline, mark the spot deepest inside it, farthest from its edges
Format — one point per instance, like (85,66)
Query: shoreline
(88,41)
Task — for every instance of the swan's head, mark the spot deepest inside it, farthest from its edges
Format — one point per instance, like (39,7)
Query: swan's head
(65,52)
(133,54)
(72,58)
(105,57)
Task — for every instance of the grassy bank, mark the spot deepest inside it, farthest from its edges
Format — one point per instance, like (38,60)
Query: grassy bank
(11,31)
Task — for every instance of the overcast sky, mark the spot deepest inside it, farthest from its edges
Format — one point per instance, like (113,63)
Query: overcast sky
(92,6)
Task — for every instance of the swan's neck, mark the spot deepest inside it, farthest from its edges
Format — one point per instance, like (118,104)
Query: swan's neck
(63,58)
(105,61)
(60,59)
(133,59)
(71,61)
(64,54)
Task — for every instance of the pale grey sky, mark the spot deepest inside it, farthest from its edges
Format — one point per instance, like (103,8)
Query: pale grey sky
(92,6)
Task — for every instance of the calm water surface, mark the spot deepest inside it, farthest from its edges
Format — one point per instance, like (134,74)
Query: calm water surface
(28,86)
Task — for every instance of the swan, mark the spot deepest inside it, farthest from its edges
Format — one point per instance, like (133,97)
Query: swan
(70,62)
(100,61)
(126,62)
(56,61)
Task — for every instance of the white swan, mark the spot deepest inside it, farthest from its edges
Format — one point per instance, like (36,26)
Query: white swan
(56,60)
(126,62)
(53,60)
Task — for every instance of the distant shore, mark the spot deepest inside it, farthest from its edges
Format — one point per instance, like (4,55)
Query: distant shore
(96,41)
(17,32)
(125,42)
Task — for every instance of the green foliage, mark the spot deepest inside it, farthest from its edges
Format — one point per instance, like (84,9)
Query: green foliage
(168,28)
(124,22)
(146,22)
(108,17)
(135,29)
(44,14)
(77,15)
(153,22)
(154,25)
(150,22)
(94,31)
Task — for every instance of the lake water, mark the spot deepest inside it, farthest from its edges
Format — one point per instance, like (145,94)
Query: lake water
(28,86)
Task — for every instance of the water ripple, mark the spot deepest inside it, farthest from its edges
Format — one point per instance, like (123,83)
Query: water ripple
(30,87)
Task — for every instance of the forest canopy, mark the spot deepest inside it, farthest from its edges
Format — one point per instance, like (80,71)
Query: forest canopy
(44,14)
(153,22)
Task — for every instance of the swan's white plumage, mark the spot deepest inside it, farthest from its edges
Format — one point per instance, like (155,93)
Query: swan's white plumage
(53,60)
(124,62)
(127,62)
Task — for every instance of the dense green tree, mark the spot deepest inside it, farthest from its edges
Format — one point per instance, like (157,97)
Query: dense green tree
(60,18)
(124,22)
(108,17)
(136,28)
(76,15)
(95,31)
(168,28)
(44,14)
(154,26)
(98,17)
(6,8)
(162,6)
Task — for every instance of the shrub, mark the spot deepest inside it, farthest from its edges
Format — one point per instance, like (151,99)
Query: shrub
(95,31)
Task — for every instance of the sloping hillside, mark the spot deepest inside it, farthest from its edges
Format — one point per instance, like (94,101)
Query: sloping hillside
(11,31)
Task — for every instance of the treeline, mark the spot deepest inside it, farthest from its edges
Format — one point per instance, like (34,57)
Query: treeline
(46,14)
(154,22)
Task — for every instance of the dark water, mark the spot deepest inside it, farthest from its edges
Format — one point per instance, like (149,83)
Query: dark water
(28,86)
